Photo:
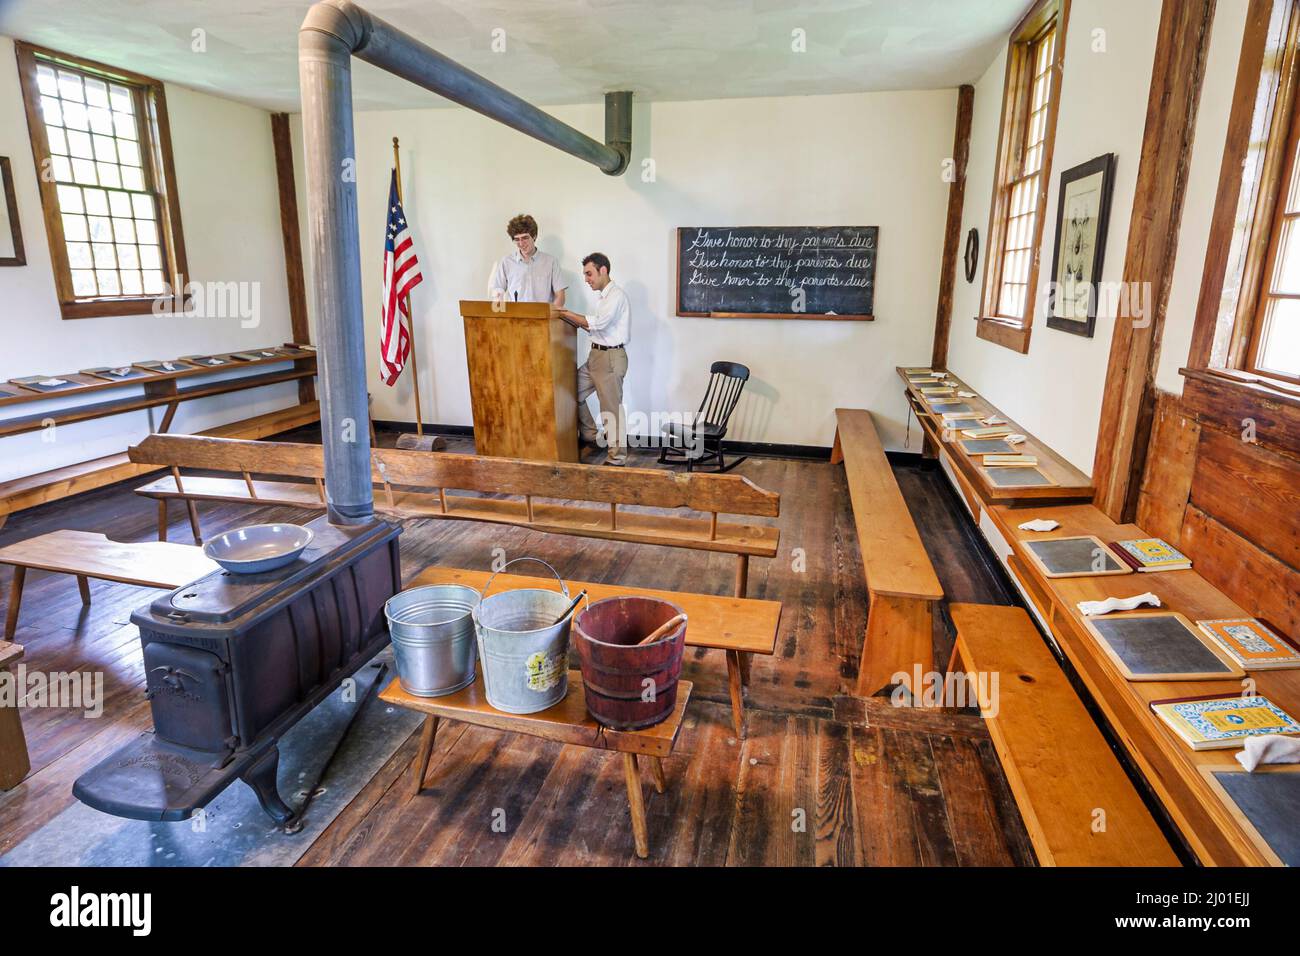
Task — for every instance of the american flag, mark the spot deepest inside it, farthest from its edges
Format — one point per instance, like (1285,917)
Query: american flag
(401,275)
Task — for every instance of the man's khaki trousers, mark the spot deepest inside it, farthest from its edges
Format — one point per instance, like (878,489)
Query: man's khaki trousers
(603,373)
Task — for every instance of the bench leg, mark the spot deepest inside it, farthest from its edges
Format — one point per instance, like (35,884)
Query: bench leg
(84,587)
(899,637)
(746,659)
(194,521)
(657,774)
(837,454)
(14,762)
(15,601)
(162,519)
(420,764)
(737,692)
(742,574)
(637,803)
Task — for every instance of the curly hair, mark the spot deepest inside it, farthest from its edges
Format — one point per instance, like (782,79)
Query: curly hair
(522,223)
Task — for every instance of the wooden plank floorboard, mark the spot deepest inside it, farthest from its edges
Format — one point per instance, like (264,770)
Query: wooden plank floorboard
(878,785)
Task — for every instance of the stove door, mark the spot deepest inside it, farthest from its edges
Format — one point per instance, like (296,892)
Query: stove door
(187,689)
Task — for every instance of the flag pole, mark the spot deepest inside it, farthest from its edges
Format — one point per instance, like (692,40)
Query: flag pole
(410,321)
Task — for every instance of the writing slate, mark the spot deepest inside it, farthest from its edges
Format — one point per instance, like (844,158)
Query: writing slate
(940,408)
(1074,557)
(789,272)
(956,424)
(1269,800)
(1016,477)
(1161,646)
(986,446)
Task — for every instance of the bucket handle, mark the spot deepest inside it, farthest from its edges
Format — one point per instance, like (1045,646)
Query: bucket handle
(563,587)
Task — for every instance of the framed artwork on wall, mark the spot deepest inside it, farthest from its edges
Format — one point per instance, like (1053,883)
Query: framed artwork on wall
(1082,217)
(11,235)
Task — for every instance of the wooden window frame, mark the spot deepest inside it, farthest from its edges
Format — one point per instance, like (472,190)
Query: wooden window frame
(159,173)
(1002,330)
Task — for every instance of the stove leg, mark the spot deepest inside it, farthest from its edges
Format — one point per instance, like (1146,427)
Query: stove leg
(261,777)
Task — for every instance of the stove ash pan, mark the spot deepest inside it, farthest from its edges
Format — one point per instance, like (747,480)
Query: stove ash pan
(233,661)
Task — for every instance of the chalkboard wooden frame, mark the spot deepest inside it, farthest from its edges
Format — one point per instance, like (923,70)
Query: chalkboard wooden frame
(677,291)
(1033,555)
(1233,671)
(1209,771)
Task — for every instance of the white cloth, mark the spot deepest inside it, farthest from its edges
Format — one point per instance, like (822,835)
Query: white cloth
(1039,524)
(1271,748)
(526,280)
(1093,608)
(611,323)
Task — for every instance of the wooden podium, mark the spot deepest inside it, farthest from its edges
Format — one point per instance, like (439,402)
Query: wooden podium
(523,381)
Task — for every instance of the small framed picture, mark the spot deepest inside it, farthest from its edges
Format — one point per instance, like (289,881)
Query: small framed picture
(1082,217)
(11,235)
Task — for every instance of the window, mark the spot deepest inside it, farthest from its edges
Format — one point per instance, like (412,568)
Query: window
(103,159)
(1024,162)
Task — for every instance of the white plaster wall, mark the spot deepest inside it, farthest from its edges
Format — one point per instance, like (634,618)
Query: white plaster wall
(225,169)
(857,159)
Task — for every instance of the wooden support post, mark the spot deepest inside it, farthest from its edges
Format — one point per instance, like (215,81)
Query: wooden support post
(657,774)
(193,509)
(167,417)
(83,586)
(952,228)
(713,526)
(613,515)
(15,601)
(420,765)
(248,483)
(636,802)
(528,500)
(745,659)
(742,574)
(320,490)
(899,637)
(442,499)
(162,519)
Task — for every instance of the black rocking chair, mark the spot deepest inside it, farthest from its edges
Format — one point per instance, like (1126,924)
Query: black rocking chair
(701,440)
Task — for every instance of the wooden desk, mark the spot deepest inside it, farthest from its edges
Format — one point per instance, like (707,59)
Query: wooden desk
(1069,483)
(567,722)
(1172,769)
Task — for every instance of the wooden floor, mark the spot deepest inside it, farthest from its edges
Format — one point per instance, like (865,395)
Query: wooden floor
(822,778)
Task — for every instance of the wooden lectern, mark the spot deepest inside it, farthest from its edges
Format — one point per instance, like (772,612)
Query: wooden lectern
(523,381)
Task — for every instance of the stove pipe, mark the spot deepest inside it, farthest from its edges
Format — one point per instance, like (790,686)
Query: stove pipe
(333,31)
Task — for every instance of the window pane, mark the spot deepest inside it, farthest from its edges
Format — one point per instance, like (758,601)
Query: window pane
(124,125)
(96,92)
(62,169)
(45,80)
(74,115)
(131,282)
(105,150)
(79,255)
(101,230)
(150,257)
(129,152)
(70,86)
(101,120)
(79,145)
(108,284)
(104,257)
(52,111)
(123,230)
(119,204)
(143,206)
(108,174)
(128,257)
(74,228)
(83,282)
(120,97)
(58,142)
(70,199)
(83,172)
(132,177)
(147,232)
(1286,275)
(153,282)
(96,202)
(1279,349)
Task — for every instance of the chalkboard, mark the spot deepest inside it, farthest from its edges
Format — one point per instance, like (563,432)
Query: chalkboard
(940,408)
(777,272)
(1159,646)
(1267,802)
(986,446)
(1016,477)
(1077,557)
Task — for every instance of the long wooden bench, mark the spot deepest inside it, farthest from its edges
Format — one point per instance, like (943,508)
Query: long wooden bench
(417,484)
(902,587)
(738,626)
(1077,803)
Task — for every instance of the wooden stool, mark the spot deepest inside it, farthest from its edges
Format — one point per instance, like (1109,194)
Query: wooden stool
(568,722)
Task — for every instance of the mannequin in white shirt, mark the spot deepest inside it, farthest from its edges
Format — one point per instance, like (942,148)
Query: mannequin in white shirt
(610,328)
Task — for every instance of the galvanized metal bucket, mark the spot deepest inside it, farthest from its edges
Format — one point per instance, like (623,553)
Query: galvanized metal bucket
(525,653)
(432,629)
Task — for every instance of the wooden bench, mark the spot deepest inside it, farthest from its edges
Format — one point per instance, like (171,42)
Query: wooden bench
(738,626)
(567,722)
(14,762)
(90,555)
(416,484)
(901,584)
(1077,803)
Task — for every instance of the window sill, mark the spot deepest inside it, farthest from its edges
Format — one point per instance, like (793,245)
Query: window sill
(108,308)
(1236,400)
(1001,332)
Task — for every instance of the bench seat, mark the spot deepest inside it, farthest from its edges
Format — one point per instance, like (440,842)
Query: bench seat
(1079,806)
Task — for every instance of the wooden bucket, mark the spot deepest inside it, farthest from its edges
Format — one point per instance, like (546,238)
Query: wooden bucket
(629,687)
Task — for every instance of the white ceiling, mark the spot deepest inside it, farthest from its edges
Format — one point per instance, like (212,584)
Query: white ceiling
(557,51)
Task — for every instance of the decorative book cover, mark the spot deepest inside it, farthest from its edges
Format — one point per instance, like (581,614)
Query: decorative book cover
(1251,644)
(1152,554)
(1011,461)
(1215,723)
(992,431)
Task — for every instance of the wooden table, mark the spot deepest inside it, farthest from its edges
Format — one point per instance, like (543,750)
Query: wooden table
(1173,769)
(1068,482)
(153,564)
(14,762)
(567,722)
(739,626)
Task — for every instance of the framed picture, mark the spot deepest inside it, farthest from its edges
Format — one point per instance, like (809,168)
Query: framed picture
(11,236)
(1082,215)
